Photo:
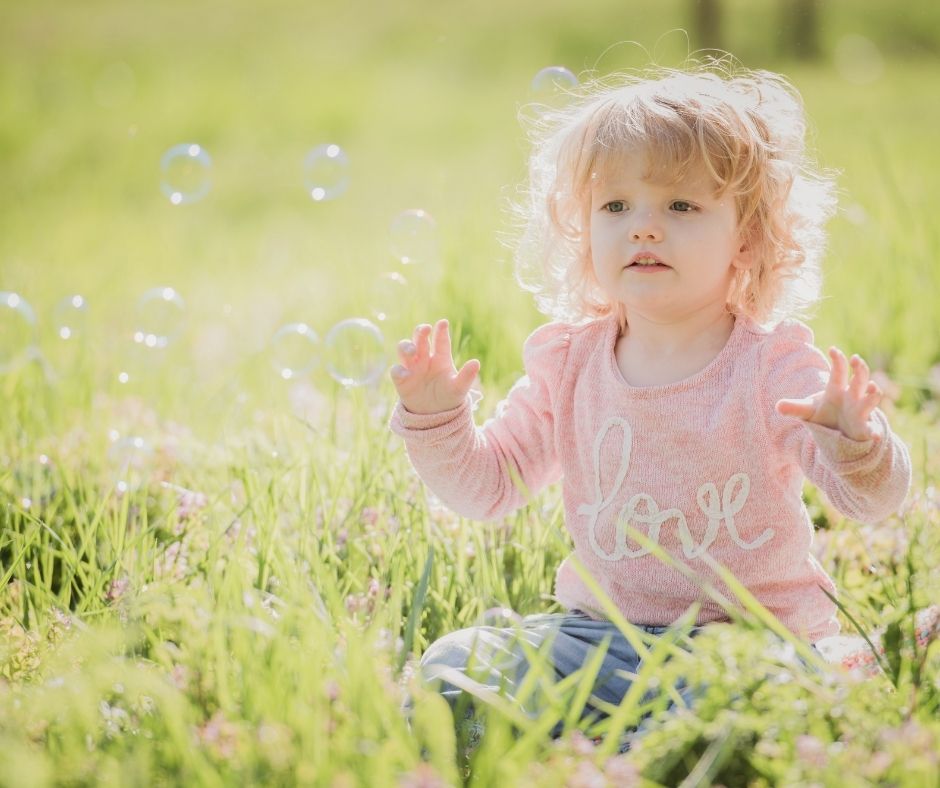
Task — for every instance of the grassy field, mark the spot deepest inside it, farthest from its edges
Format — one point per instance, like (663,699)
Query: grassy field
(212,575)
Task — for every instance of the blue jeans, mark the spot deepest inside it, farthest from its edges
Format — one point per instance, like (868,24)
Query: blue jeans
(468,665)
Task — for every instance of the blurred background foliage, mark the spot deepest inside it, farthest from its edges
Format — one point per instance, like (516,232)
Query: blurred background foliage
(424,98)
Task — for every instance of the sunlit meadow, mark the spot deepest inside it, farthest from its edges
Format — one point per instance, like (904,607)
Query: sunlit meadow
(216,565)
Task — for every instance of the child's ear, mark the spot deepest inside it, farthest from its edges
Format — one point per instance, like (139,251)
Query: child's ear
(744,259)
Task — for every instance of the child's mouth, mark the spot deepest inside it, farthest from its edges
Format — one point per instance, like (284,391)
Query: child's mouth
(647,262)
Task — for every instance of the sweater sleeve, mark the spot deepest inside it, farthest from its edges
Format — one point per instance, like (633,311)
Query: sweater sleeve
(485,472)
(865,480)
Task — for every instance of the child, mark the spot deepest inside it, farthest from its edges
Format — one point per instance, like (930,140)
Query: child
(678,222)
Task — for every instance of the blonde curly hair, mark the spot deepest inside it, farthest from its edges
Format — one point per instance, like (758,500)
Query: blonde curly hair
(746,129)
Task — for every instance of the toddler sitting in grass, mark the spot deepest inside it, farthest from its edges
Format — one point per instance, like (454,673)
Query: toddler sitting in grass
(677,222)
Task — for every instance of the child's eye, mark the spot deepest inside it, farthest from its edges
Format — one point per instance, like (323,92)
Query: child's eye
(682,206)
(615,206)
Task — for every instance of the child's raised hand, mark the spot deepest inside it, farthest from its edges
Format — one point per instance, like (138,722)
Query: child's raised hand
(845,404)
(426,379)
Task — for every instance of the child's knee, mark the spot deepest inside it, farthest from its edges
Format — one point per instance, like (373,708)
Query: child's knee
(450,651)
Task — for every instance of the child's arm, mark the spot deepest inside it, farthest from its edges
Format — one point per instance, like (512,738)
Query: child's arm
(831,425)
(488,471)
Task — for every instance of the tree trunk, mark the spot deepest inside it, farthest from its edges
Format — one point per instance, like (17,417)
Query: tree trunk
(800,26)
(706,28)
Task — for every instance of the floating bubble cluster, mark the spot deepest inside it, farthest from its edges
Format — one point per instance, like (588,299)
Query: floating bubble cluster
(353,350)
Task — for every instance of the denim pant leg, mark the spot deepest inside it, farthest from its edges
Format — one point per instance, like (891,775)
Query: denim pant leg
(576,642)
(468,665)
(482,661)
(621,663)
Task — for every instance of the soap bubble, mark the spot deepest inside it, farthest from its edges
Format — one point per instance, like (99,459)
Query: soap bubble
(355,353)
(389,293)
(858,59)
(413,235)
(130,459)
(501,617)
(17,330)
(326,172)
(295,349)
(185,173)
(70,317)
(161,315)
(552,86)
(856,214)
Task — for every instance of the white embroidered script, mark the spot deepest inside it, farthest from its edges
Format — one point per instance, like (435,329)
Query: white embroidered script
(642,509)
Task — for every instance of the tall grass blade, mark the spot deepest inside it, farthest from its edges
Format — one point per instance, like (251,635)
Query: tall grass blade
(417,606)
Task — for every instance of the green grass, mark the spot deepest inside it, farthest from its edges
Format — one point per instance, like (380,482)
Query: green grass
(251,612)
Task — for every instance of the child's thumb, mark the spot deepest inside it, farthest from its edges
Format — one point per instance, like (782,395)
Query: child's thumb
(466,375)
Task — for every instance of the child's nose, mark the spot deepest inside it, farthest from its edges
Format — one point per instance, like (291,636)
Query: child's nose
(646,228)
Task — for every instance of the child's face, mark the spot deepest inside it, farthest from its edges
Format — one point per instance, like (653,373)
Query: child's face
(689,234)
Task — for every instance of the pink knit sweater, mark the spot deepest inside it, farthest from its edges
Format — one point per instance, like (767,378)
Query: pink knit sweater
(704,465)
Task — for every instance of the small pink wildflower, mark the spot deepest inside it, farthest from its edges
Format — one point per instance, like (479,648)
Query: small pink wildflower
(62,618)
(118,588)
(811,751)
(354,603)
(581,744)
(179,677)
(587,775)
(189,504)
(237,495)
(332,690)
(878,764)
(422,776)
(620,771)
(219,735)
(173,563)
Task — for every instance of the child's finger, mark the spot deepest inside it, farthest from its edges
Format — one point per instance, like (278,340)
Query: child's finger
(422,343)
(406,352)
(466,375)
(838,375)
(873,395)
(799,408)
(442,340)
(860,377)
(398,373)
